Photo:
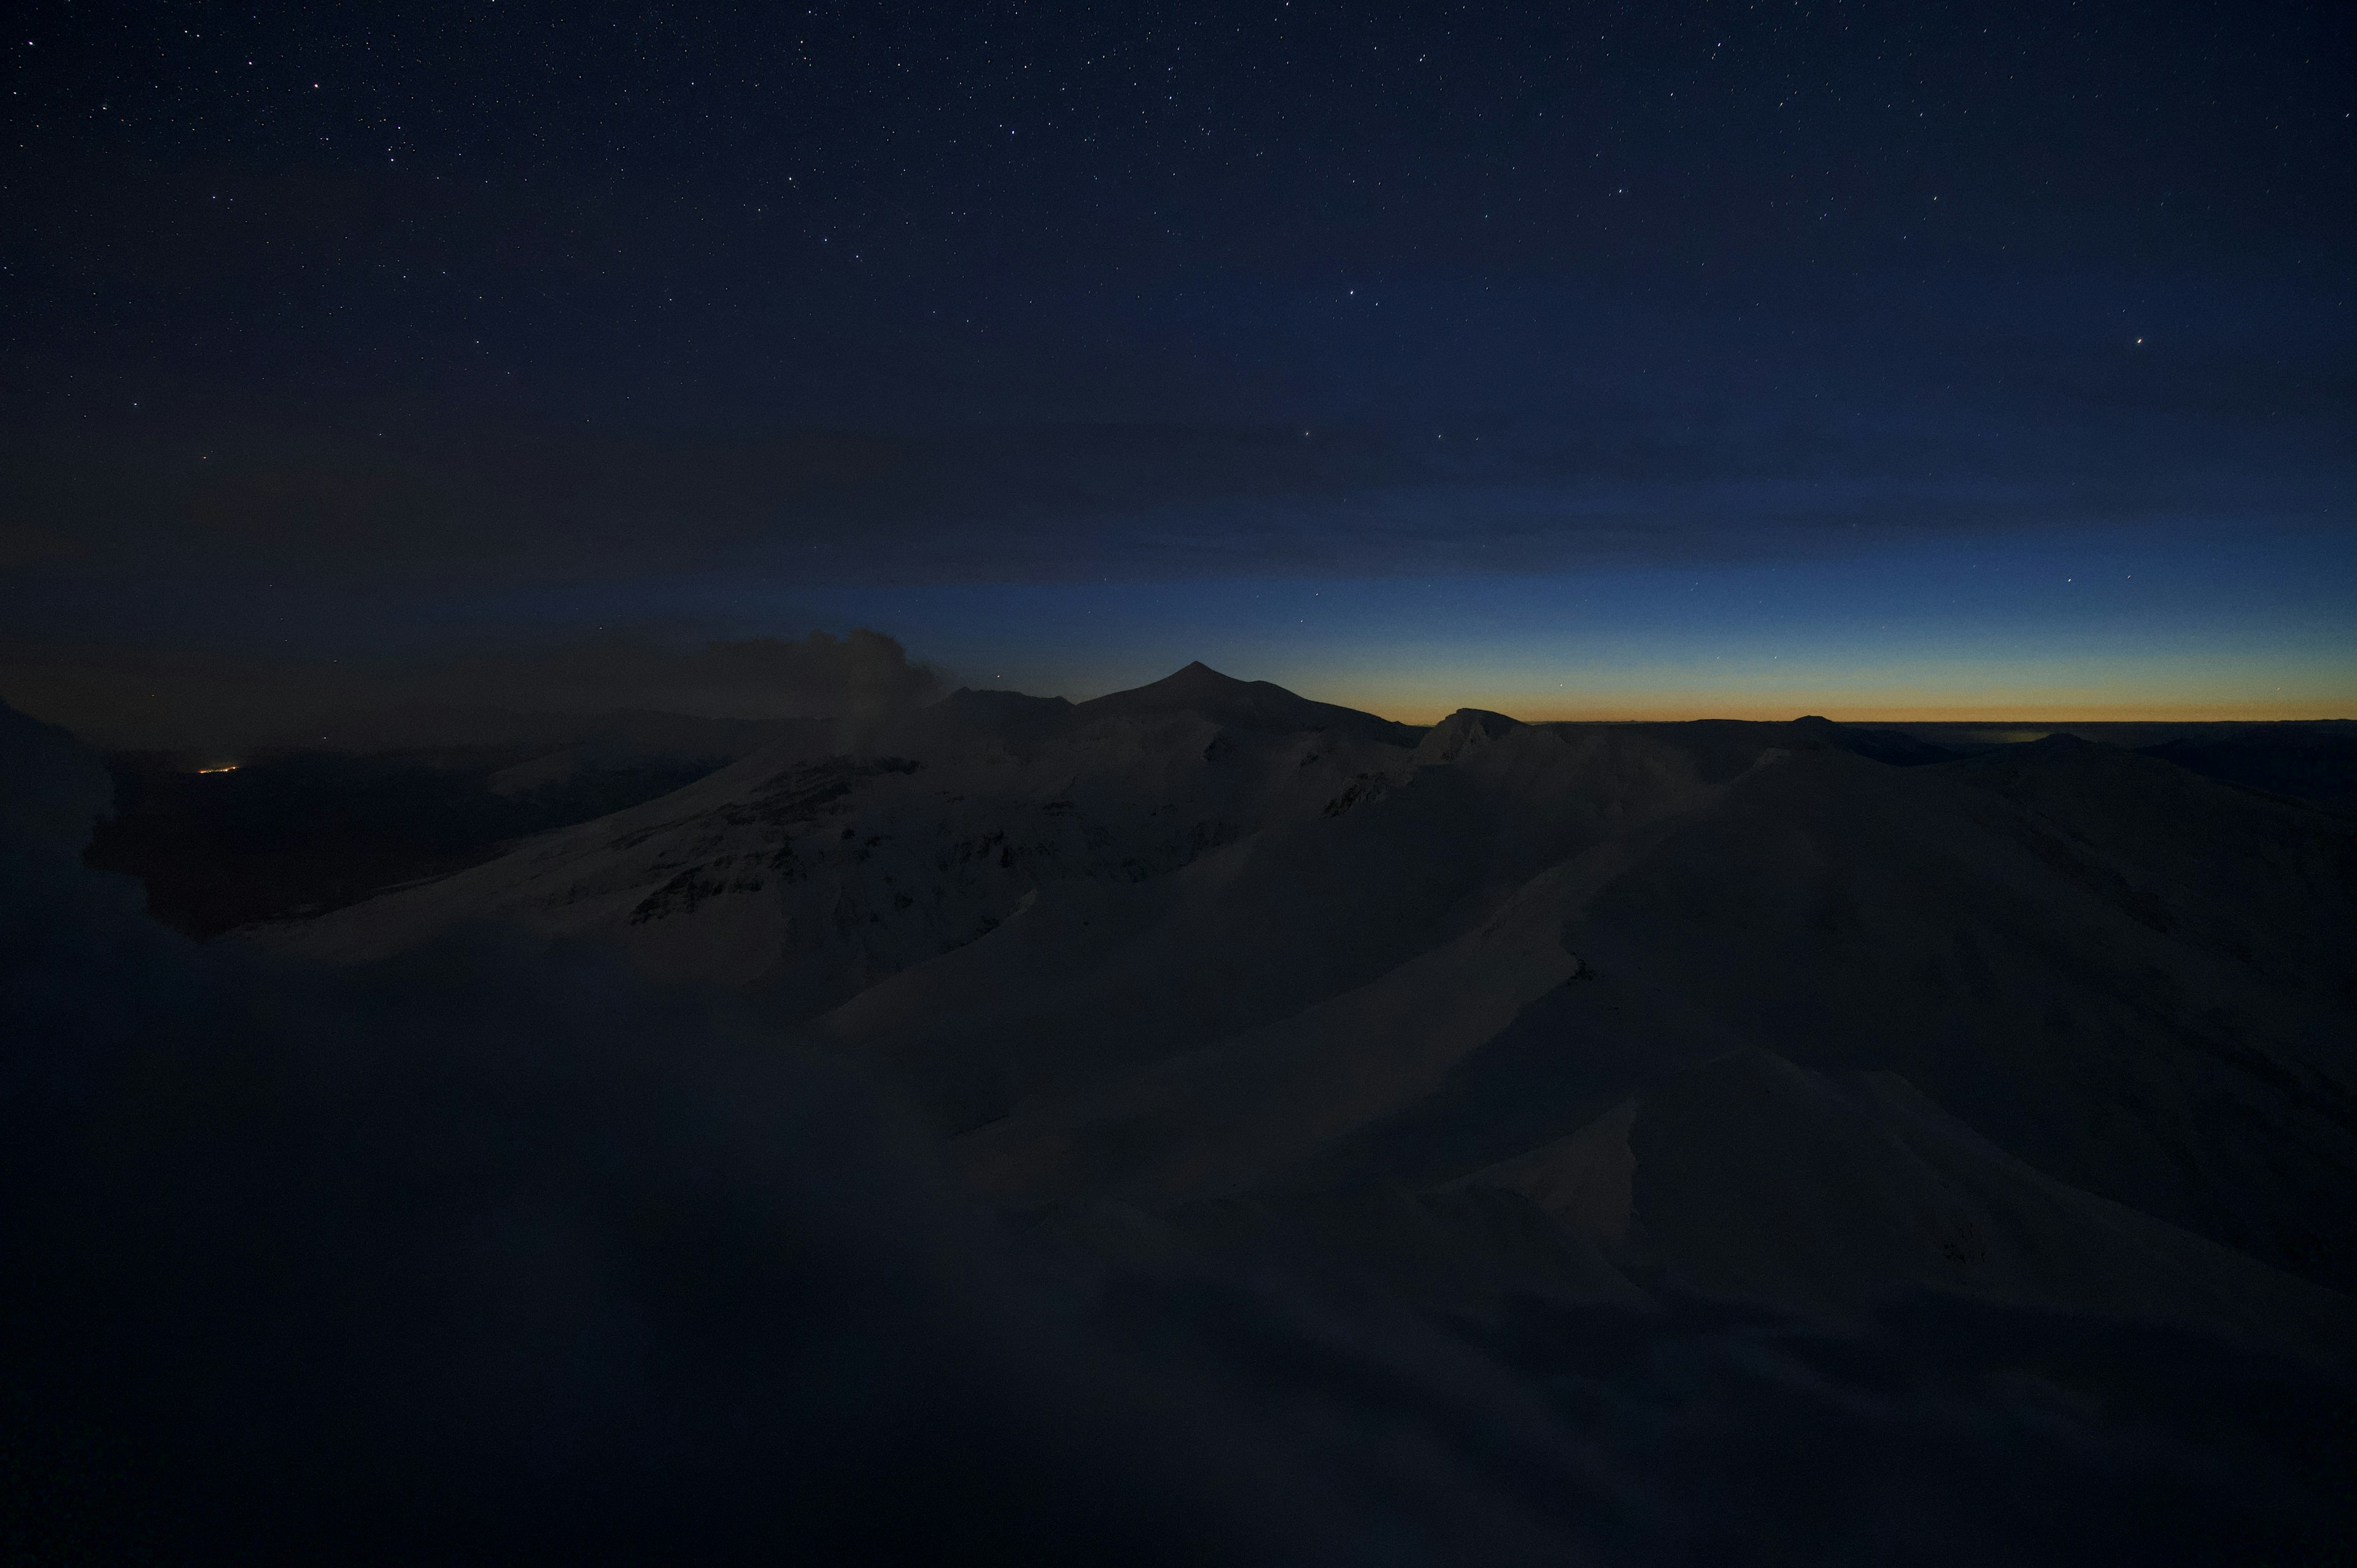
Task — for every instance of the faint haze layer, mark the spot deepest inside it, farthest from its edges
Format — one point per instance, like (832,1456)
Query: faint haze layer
(1735,360)
(224,703)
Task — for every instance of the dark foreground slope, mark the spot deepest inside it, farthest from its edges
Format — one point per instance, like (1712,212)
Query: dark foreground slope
(1543,1147)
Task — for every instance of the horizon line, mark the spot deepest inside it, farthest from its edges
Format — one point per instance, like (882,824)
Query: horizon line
(2120,714)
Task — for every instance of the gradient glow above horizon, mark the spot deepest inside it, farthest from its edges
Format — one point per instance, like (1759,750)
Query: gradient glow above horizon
(2098,625)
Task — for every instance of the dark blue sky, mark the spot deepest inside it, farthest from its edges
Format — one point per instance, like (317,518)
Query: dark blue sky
(1845,358)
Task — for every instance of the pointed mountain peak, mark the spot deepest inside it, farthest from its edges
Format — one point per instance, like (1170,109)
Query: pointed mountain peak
(1199,676)
(1194,686)
(1261,705)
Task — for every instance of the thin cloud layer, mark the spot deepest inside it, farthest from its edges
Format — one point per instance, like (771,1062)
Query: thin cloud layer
(1532,425)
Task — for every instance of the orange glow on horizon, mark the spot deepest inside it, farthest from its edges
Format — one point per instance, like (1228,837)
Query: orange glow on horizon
(1682,709)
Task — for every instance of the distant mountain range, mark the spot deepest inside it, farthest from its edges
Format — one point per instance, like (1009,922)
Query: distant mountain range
(1208,968)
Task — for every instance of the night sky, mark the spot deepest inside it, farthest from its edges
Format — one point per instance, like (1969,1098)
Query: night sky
(1868,359)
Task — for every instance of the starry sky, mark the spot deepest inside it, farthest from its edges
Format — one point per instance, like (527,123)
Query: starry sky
(1879,360)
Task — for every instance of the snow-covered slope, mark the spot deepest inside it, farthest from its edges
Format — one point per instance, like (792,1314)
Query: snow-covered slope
(846,851)
(1209,966)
